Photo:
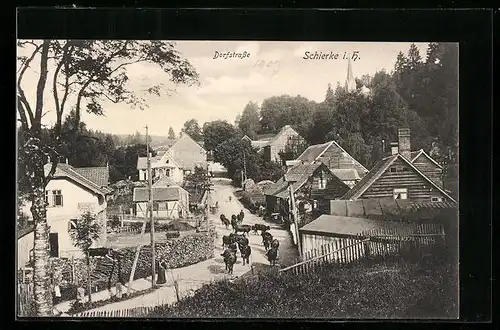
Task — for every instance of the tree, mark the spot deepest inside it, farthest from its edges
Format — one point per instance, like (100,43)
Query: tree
(216,132)
(171,133)
(249,122)
(329,93)
(236,155)
(269,171)
(87,231)
(192,128)
(83,74)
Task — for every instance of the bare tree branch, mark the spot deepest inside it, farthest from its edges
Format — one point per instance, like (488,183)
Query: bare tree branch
(22,71)
(62,62)
(41,84)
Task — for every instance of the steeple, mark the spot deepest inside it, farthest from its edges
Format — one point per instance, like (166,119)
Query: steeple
(350,82)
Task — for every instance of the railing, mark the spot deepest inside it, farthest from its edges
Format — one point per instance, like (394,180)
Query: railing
(131,312)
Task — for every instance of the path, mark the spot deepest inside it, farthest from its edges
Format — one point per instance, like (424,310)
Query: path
(192,277)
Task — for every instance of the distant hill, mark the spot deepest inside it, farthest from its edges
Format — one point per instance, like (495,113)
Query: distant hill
(125,139)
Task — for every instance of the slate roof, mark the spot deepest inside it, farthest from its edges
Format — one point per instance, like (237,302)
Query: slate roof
(346,174)
(377,171)
(347,226)
(313,152)
(159,194)
(68,171)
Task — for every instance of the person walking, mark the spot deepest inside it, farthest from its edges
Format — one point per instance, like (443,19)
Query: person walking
(161,273)
(119,290)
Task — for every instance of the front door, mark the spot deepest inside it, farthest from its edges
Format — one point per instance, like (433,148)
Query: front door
(54,244)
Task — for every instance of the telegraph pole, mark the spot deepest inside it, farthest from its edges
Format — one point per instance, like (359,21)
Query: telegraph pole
(295,220)
(150,204)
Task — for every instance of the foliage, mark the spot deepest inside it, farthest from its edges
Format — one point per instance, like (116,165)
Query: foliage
(123,162)
(81,74)
(352,291)
(171,133)
(249,122)
(192,128)
(268,171)
(198,178)
(115,222)
(86,232)
(278,111)
(235,154)
(216,132)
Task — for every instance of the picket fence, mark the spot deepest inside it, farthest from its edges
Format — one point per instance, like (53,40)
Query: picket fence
(131,312)
(420,239)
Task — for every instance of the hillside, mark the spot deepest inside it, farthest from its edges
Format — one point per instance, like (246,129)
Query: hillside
(388,290)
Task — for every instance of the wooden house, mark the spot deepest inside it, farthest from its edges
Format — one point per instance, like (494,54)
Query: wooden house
(427,165)
(313,186)
(341,163)
(395,176)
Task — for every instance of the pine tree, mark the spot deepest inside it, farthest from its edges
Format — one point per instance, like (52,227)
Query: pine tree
(414,58)
(401,63)
(329,93)
(171,133)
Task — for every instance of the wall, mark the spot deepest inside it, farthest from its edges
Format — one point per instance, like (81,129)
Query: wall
(172,211)
(418,188)
(24,245)
(431,170)
(280,142)
(189,153)
(335,158)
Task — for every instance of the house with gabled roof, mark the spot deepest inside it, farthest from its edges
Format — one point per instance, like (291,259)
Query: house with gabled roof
(313,186)
(169,201)
(179,160)
(395,176)
(71,192)
(271,145)
(341,163)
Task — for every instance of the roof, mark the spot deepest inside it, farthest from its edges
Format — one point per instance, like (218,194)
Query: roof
(377,171)
(418,153)
(99,175)
(282,131)
(68,171)
(265,137)
(346,174)
(299,171)
(187,153)
(24,231)
(142,162)
(313,152)
(276,187)
(159,194)
(259,144)
(347,226)
(164,181)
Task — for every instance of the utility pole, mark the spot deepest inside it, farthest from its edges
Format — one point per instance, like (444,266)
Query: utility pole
(294,215)
(244,164)
(150,204)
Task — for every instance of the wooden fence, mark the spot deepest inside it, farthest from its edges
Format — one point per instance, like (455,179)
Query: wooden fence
(420,240)
(131,312)
(25,299)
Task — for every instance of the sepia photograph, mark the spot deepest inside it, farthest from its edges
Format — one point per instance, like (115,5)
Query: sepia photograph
(237,179)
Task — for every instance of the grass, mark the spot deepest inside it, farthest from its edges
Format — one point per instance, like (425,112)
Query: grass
(390,290)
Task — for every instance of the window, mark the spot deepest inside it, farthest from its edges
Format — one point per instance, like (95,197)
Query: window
(394,169)
(54,244)
(155,206)
(162,206)
(47,197)
(436,199)
(167,161)
(322,181)
(400,193)
(57,198)
(167,172)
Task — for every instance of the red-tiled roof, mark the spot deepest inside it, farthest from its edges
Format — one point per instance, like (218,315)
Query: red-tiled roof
(65,170)
(98,175)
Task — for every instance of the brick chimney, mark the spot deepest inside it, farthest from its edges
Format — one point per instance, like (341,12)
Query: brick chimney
(404,145)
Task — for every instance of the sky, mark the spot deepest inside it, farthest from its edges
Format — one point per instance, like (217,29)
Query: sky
(272,68)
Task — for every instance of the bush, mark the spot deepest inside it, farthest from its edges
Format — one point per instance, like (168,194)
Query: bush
(115,222)
(353,291)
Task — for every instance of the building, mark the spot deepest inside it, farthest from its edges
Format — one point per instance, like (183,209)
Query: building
(25,241)
(336,159)
(313,185)
(179,160)
(271,145)
(169,202)
(350,81)
(342,231)
(71,192)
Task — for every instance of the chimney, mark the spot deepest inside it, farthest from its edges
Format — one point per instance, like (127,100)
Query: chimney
(394,148)
(404,143)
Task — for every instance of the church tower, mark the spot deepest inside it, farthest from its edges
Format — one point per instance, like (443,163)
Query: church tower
(350,82)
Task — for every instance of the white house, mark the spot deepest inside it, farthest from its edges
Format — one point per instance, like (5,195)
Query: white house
(71,192)
(179,160)
(170,202)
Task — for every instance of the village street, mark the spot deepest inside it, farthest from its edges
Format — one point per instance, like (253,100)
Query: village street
(194,276)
